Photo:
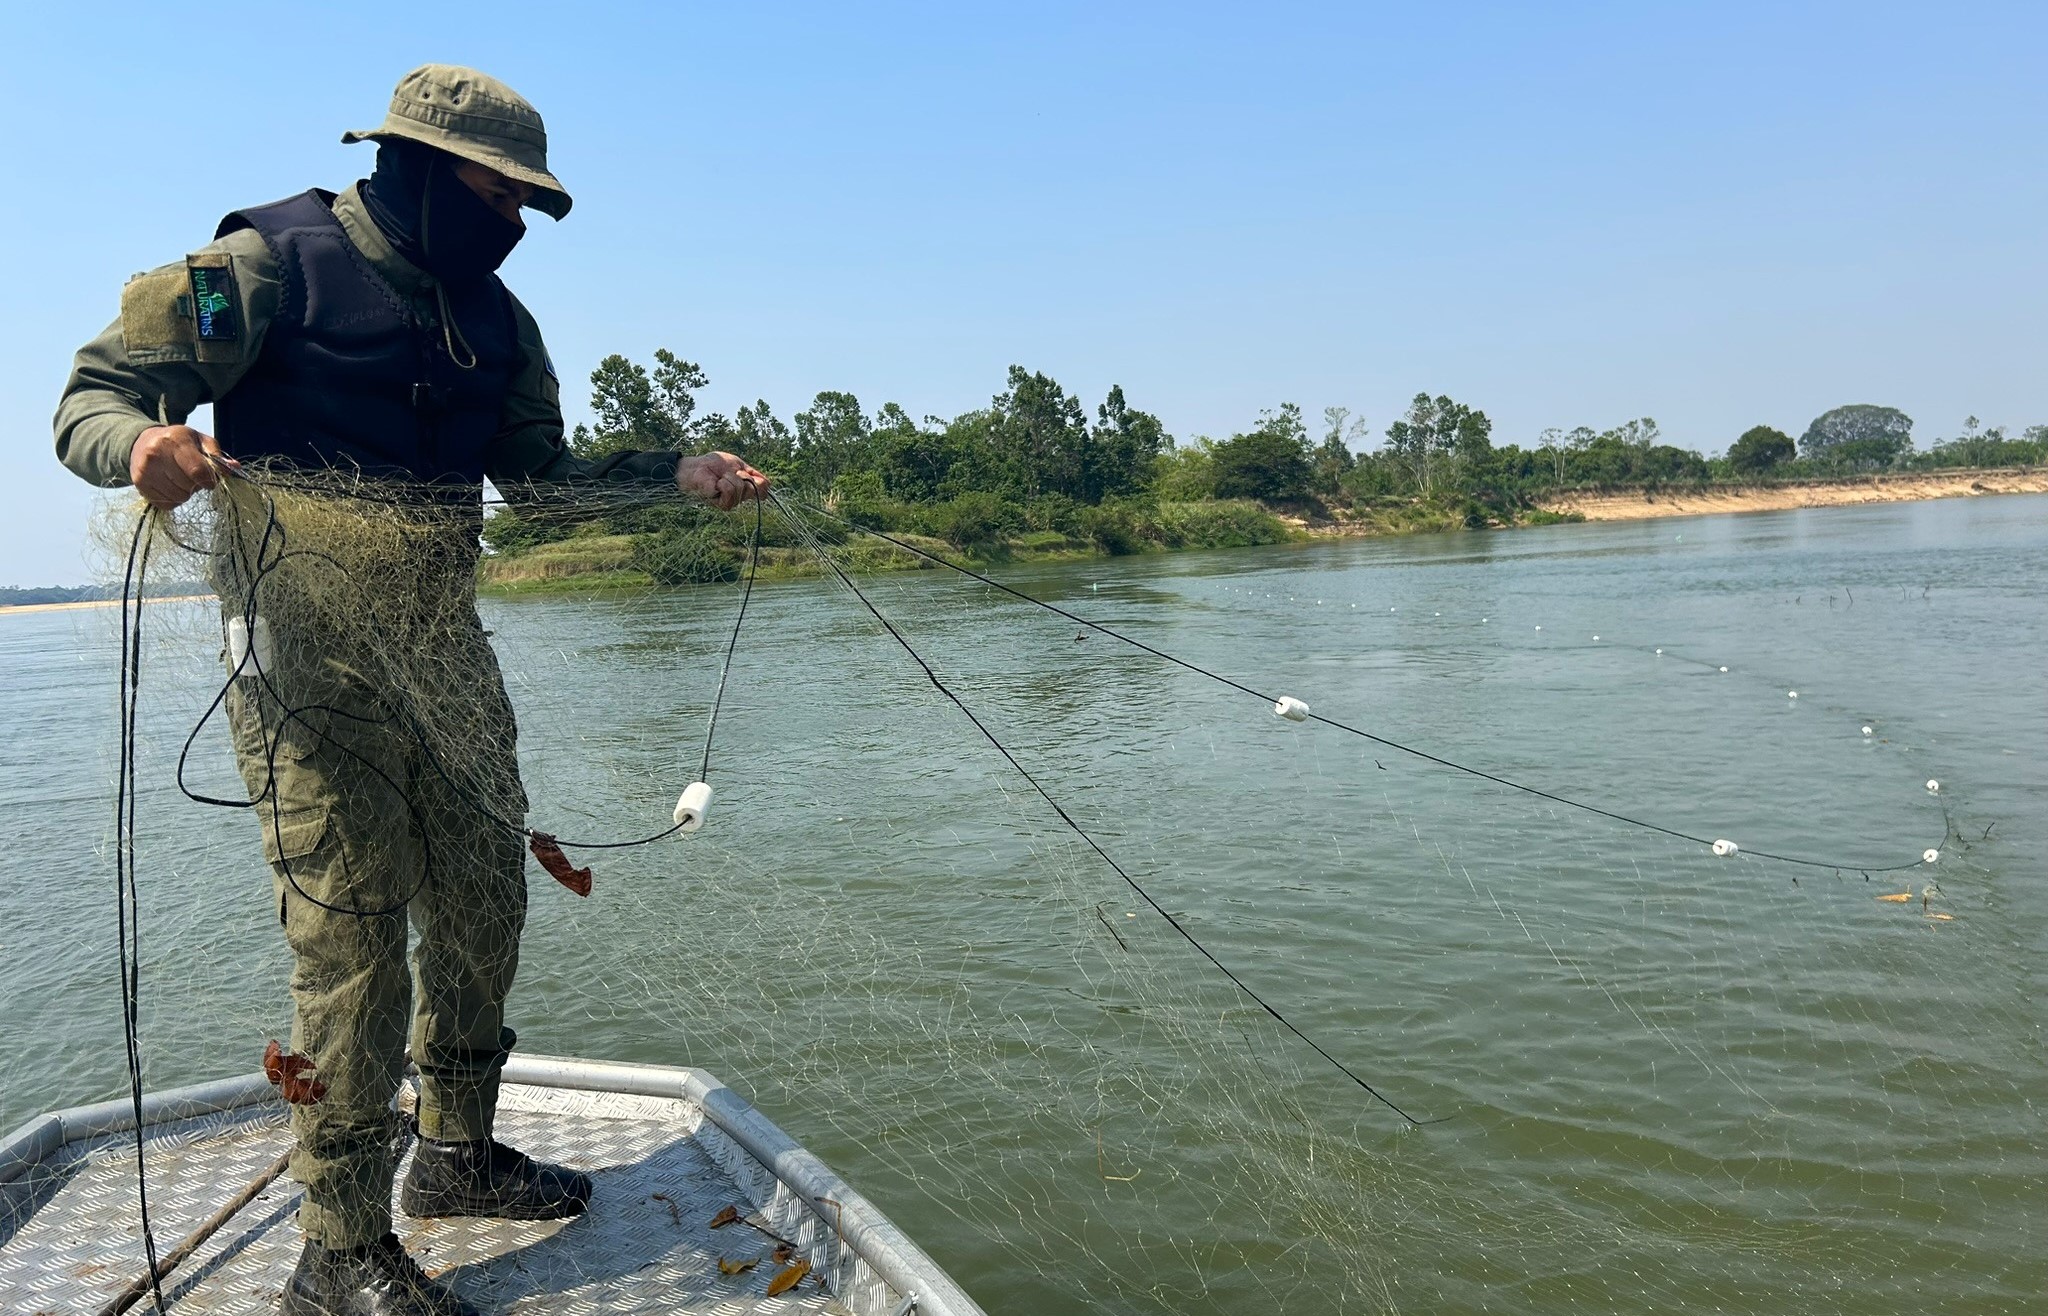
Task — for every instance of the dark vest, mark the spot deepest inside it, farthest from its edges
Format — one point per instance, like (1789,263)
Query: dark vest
(349,377)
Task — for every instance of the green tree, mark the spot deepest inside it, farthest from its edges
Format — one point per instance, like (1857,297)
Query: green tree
(1471,443)
(1271,461)
(636,410)
(1858,437)
(1437,434)
(1759,449)
(977,521)
(1639,433)
(1123,449)
(1187,474)
(1039,437)
(831,439)
(1552,446)
(761,437)
(915,462)
(1333,458)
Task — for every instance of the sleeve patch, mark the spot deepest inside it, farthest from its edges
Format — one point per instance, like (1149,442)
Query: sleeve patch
(156,317)
(216,314)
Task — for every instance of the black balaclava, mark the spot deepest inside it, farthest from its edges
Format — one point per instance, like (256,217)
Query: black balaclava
(432,218)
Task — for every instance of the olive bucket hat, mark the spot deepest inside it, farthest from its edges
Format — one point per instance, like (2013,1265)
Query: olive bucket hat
(474,116)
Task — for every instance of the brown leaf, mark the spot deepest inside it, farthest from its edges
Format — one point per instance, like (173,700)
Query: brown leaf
(789,1278)
(737,1267)
(293,1075)
(730,1215)
(549,852)
(1899,899)
(1942,918)
(783,1252)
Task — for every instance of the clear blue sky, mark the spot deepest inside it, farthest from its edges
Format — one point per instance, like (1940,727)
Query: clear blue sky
(1716,215)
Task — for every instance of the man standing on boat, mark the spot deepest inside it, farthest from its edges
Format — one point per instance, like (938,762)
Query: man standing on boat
(368,331)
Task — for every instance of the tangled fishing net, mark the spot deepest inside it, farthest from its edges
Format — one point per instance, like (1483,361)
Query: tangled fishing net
(923,968)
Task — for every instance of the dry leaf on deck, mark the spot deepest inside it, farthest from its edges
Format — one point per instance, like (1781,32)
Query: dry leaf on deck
(737,1267)
(730,1215)
(292,1075)
(789,1279)
(783,1252)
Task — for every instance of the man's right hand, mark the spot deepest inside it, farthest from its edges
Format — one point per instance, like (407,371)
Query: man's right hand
(170,463)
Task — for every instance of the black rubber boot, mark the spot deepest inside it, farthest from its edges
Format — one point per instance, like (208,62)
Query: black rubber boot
(487,1178)
(380,1279)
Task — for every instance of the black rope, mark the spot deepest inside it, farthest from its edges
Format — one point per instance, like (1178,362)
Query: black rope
(1096,846)
(1333,723)
(725,669)
(127,910)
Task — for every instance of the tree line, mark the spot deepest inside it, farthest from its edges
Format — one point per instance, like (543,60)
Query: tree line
(1037,461)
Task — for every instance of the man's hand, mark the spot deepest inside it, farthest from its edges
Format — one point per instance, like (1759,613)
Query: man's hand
(170,463)
(721,479)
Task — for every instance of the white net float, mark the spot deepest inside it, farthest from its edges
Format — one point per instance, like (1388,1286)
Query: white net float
(691,808)
(240,636)
(1933,786)
(1867,731)
(1724,848)
(1791,694)
(1930,856)
(1292,709)
(1724,669)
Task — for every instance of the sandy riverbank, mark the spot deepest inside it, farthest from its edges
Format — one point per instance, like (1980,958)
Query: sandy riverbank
(9,609)
(1641,505)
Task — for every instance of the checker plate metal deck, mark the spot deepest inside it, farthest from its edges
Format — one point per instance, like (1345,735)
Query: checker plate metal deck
(668,1149)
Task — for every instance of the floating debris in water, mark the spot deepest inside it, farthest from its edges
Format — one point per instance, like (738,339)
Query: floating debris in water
(1897,897)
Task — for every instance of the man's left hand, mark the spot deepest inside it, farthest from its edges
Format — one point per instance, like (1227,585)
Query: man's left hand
(721,479)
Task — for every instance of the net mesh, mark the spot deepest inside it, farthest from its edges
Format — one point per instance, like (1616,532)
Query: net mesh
(1670,1080)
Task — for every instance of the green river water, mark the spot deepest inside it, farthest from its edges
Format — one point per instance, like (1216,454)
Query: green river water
(1675,1083)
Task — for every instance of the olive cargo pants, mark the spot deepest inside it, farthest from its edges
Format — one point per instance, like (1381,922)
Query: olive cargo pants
(373,807)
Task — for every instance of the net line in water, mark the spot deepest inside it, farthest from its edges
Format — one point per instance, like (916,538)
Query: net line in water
(1719,847)
(953,1061)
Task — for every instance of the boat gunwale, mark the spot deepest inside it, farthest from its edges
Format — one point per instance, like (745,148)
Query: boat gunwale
(859,1223)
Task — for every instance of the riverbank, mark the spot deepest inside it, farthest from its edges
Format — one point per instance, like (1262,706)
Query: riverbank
(1916,486)
(11,609)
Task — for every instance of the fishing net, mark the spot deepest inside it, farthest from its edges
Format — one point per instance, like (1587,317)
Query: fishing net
(1115,990)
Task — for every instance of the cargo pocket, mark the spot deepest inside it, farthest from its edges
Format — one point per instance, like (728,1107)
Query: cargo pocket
(290,834)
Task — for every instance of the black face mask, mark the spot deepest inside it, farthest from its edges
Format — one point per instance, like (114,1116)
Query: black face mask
(432,218)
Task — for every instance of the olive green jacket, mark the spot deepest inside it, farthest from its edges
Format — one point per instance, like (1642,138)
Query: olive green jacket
(150,368)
